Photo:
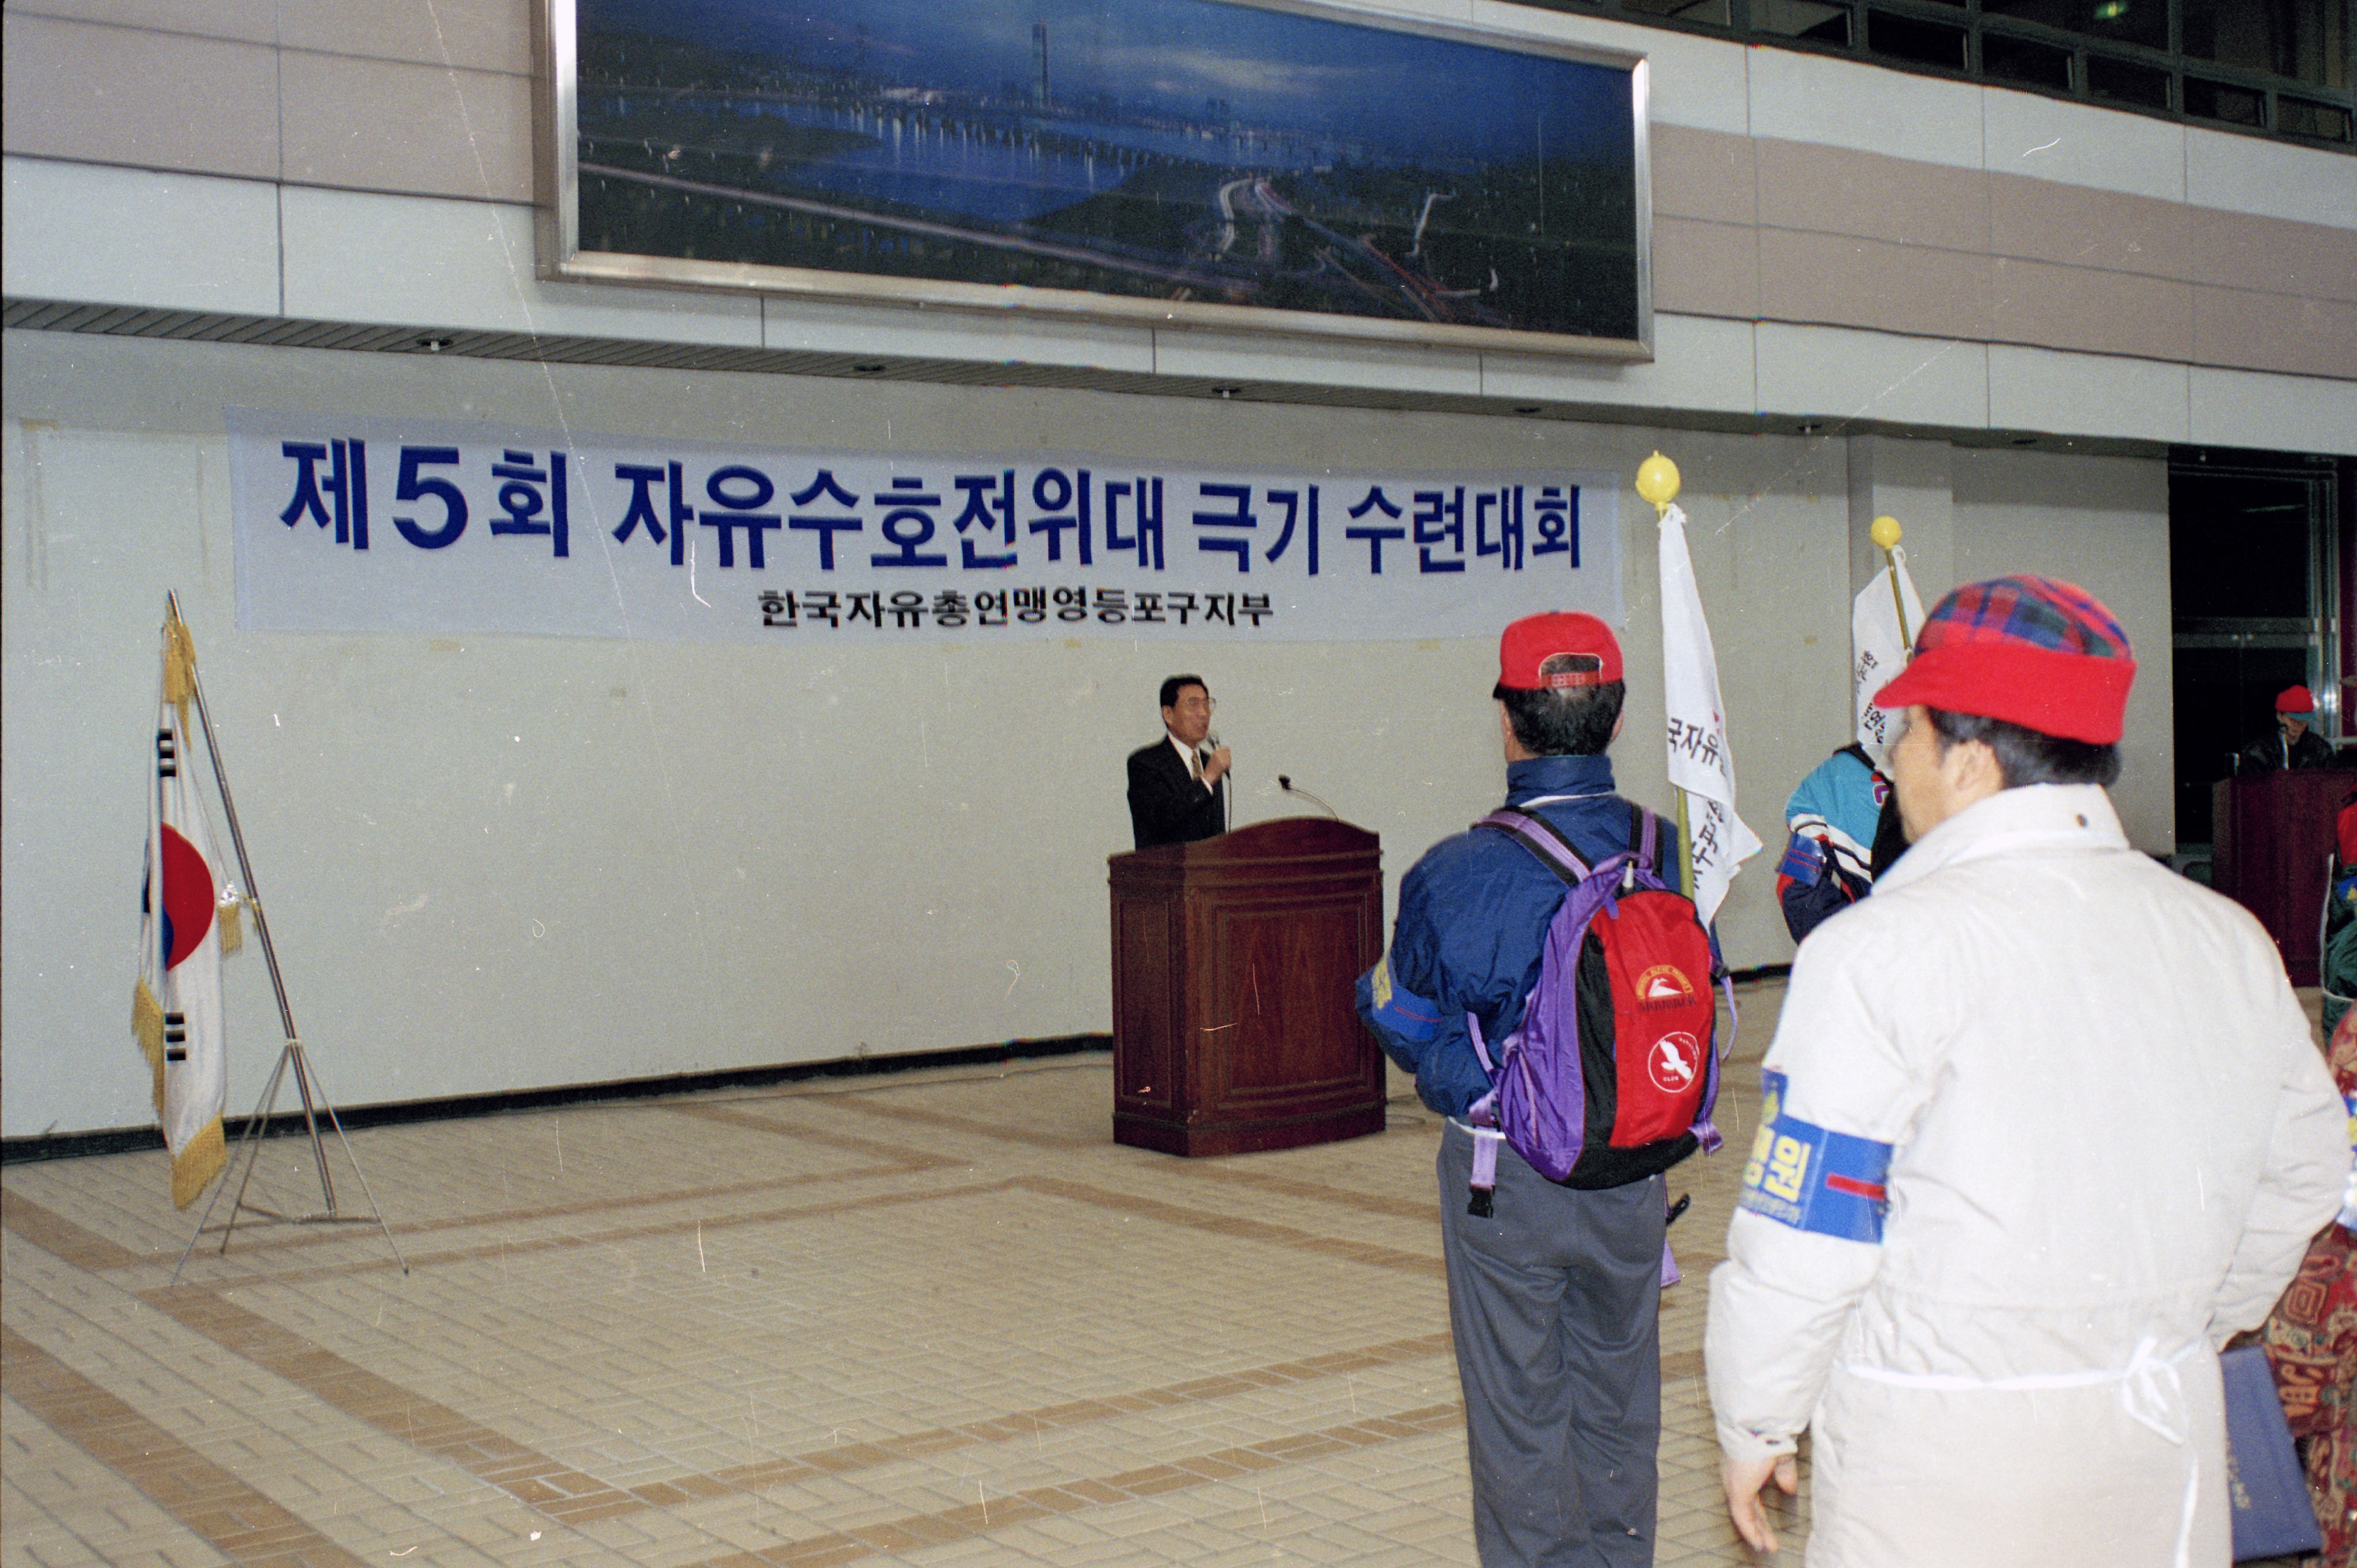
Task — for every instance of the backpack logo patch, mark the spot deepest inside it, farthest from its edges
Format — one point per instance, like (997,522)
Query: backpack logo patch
(1675,1060)
(1664,985)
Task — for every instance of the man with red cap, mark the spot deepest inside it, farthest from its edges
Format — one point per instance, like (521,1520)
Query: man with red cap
(1553,1294)
(2041,1126)
(2295,743)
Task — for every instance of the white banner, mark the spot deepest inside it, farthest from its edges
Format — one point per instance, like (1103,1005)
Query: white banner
(1877,651)
(370,525)
(1700,761)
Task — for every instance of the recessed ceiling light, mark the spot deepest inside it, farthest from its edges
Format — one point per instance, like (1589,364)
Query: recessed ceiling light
(434,342)
(1225,392)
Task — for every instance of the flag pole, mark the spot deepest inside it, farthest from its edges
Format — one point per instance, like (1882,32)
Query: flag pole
(1658,481)
(315,1100)
(1886,535)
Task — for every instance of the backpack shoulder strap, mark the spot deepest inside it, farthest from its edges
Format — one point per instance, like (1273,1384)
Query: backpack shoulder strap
(1644,836)
(1543,838)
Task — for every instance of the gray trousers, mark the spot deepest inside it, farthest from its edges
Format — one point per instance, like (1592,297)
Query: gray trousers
(1553,1302)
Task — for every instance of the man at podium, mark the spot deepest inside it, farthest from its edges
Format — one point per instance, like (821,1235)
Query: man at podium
(1176,793)
(2295,743)
(1555,1295)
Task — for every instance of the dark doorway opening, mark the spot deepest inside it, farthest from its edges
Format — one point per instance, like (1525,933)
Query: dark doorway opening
(2254,568)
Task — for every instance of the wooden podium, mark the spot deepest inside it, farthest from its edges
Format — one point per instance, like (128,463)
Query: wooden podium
(2273,833)
(1234,960)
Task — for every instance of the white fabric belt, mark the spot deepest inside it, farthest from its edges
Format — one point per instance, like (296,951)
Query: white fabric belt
(2150,1392)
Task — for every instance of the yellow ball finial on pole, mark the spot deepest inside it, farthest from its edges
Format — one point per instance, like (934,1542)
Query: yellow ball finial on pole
(1885,532)
(1657,482)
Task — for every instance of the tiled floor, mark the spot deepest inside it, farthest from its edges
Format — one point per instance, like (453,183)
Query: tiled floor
(930,1318)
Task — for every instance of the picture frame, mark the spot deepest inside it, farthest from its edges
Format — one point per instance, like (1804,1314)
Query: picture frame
(1276,167)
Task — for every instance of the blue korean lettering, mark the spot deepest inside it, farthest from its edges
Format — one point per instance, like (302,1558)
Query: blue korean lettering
(521,497)
(1239,515)
(1375,535)
(826,527)
(1440,520)
(1291,501)
(1508,503)
(1052,491)
(990,501)
(1150,520)
(347,481)
(411,488)
(642,510)
(1556,515)
(908,524)
(736,511)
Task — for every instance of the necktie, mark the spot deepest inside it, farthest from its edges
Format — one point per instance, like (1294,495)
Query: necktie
(1195,765)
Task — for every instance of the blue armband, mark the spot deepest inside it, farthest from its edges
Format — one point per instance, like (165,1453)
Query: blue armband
(1803,862)
(1397,1010)
(1810,1178)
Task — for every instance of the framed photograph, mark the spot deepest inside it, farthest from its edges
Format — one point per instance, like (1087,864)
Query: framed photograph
(1260,165)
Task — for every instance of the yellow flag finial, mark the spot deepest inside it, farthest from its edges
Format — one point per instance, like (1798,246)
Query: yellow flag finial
(1657,482)
(1885,532)
(179,661)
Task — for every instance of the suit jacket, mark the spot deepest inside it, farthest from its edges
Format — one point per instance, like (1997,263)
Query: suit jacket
(1166,804)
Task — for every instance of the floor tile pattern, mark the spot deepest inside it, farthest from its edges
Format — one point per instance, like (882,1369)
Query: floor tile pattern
(928,1318)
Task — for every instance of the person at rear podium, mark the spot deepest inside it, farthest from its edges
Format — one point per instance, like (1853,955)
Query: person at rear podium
(1176,790)
(2295,743)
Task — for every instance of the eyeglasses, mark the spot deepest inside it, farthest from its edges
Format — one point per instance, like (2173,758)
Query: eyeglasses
(1191,704)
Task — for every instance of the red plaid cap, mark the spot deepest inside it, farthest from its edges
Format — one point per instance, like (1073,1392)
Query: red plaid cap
(1531,641)
(2034,652)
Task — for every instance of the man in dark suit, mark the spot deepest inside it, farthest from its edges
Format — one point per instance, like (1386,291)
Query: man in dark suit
(1176,795)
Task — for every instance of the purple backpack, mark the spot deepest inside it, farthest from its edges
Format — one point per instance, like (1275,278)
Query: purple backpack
(1613,1074)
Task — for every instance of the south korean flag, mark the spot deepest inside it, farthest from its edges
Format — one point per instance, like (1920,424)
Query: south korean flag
(176,1005)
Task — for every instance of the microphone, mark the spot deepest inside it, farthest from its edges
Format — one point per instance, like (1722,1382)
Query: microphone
(1285,782)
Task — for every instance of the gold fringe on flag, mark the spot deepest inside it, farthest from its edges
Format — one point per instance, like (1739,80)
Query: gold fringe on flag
(180,663)
(194,1167)
(232,929)
(147,1028)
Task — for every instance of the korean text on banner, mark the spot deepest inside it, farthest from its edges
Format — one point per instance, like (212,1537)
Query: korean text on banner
(1877,651)
(372,525)
(175,1010)
(1700,761)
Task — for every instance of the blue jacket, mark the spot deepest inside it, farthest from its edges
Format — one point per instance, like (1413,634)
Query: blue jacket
(1472,927)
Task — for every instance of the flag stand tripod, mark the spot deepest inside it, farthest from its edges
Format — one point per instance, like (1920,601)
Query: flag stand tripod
(315,1100)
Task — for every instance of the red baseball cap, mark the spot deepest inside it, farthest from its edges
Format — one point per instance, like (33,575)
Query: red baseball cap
(2033,651)
(2295,700)
(1531,641)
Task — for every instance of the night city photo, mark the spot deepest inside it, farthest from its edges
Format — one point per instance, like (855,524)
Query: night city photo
(1158,150)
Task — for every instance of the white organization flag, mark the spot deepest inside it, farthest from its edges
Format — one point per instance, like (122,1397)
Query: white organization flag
(175,1010)
(1877,651)
(1700,762)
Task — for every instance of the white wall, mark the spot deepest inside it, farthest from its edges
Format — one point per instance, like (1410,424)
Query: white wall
(501,862)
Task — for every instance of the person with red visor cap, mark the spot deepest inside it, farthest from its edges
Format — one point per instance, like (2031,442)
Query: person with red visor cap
(1554,1291)
(2295,743)
(2043,1125)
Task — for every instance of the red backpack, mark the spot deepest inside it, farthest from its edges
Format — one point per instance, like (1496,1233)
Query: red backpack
(1613,1074)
